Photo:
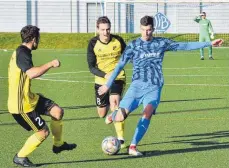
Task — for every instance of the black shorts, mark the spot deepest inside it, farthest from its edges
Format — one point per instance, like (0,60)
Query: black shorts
(32,120)
(116,89)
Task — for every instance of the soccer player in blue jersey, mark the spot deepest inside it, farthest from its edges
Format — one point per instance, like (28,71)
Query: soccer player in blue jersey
(146,53)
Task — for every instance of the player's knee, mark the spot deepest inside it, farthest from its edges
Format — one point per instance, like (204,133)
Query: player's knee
(102,115)
(148,111)
(102,112)
(121,115)
(119,119)
(44,133)
(147,114)
(59,114)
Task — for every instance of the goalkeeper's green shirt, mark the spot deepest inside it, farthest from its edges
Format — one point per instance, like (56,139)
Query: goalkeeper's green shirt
(205,26)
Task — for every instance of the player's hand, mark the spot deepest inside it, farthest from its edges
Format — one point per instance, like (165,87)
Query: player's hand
(103,89)
(212,36)
(55,63)
(217,42)
(108,75)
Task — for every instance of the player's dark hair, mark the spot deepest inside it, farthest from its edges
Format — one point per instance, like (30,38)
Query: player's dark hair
(29,32)
(102,19)
(147,20)
(204,13)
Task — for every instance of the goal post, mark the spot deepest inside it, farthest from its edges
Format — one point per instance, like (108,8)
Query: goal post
(173,19)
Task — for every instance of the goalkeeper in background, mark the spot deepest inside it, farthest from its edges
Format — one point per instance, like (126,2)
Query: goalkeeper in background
(206,33)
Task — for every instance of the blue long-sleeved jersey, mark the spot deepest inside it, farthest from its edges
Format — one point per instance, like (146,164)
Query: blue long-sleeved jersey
(147,57)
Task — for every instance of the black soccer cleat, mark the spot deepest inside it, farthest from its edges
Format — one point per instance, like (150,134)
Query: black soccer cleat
(65,146)
(201,58)
(23,161)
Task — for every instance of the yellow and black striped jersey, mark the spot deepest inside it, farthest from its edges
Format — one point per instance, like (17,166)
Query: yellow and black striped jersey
(20,99)
(103,57)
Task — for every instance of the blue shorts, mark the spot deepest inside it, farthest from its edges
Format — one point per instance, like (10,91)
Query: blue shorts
(136,95)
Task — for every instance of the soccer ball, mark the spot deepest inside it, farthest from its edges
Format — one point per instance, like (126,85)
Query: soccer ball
(111,145)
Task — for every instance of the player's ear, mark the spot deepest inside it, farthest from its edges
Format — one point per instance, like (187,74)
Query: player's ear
(34,40)
(153,29)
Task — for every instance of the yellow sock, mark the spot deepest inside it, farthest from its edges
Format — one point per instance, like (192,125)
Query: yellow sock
(30,145)
(119,127)
(56,129)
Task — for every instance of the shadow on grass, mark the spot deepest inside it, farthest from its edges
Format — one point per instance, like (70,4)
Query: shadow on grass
(80,107)
(159,113)
(196,139)
(198,146)
(93,106)
(164,101)
(3,112)
(217,134)
(147,154)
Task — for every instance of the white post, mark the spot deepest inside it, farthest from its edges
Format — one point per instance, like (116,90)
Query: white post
(96,15)
(105,8)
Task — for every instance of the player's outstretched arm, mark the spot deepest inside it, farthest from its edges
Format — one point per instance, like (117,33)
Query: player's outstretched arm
(197,19)
(174,46)
(35,72)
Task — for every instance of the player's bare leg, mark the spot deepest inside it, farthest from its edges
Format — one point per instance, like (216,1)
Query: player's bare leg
(56,128)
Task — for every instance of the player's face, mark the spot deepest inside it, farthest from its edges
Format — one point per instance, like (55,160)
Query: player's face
(146,32)
(104,31)
(203,16)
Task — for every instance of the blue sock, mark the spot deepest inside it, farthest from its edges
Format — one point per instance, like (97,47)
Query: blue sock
(140,131)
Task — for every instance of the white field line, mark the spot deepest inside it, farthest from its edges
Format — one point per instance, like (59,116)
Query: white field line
(179,84)
(132,69)
(81,77)
(91,76)
(91,82)
(69,81)
(200,84)
(73,49)
(199,68)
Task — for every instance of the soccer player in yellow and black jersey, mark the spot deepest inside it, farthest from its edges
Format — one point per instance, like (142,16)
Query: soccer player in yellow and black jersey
(27,107)
(103,54)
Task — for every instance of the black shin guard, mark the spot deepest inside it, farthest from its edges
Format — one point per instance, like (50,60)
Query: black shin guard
(123,113)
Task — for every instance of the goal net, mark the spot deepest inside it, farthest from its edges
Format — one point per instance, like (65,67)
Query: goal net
(174,19)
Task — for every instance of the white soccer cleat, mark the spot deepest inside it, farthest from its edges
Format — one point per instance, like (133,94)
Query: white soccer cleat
(108,119)
(134,152)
